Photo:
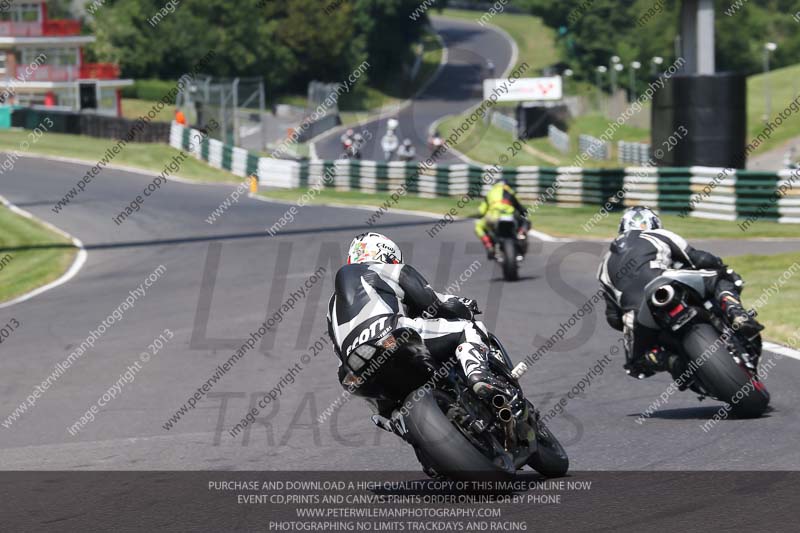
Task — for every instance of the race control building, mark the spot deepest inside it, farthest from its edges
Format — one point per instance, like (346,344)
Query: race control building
(41,63)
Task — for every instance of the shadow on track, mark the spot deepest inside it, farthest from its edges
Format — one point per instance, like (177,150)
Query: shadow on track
(211,238)
(693,413)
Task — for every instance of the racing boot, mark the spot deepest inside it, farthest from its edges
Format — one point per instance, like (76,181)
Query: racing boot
(647,365)
(660,360)
(657,359)
(740,319)
(489,245)
(383,423)
(522,238)
(383,413)
(473,359)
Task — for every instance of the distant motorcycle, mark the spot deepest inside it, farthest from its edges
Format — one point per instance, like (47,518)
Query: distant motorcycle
(510,245)
(406,152)
(717,360)
(351,149)
(346,136)
(455,433)
(389,144)
(435,145)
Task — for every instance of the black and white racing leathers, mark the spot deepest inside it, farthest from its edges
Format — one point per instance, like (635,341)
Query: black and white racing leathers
(372,299)
(638,257)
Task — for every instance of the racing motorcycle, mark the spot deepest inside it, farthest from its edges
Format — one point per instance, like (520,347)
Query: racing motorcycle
(435,144)
(352,149)
(714,360)
(389,144)
(510,245)
(455,433)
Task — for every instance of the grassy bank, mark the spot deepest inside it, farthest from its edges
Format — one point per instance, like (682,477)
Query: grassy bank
(783,85)
(494,141)
(21,269)
(551,219)
(147,156)
(536,42)
(779,313)
(490,144)
(133,108)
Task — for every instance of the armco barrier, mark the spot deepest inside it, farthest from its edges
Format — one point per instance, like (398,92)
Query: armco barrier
(703,192)
(90,124)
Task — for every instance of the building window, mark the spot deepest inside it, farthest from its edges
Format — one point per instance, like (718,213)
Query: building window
(21,13)
(2,63)
(26,13)
(62,57)
(107,105)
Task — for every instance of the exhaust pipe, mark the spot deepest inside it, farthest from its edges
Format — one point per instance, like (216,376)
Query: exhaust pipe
(506,417)
(499,401)
(663,295)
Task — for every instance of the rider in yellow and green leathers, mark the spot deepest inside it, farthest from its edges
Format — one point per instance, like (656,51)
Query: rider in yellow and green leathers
(500,201)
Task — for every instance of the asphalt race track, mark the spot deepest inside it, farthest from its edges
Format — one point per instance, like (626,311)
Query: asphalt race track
(220,282)
(457,87)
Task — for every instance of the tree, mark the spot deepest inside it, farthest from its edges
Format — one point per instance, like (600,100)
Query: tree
(287,43)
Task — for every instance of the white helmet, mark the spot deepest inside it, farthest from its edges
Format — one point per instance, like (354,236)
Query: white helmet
(639,218)
(374,248)
(392,124)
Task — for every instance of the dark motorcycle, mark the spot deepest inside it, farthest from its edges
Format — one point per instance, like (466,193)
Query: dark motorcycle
(716,360)
(510,245)
(455,433)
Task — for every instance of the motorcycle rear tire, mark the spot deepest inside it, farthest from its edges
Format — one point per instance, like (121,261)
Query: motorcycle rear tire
(727,380)
(510,265)
(550,459)
(447,450)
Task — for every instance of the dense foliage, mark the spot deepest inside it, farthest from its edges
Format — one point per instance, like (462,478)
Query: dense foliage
(591,31)
(287,42)
(291,42)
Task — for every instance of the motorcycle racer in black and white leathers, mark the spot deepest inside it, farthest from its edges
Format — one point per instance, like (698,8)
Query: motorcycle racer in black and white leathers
(375,293)
(643,251)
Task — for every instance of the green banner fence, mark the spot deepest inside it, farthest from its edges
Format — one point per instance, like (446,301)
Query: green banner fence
(725,194)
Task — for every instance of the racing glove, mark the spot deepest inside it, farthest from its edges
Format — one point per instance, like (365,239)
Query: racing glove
(471,305)
(732,276)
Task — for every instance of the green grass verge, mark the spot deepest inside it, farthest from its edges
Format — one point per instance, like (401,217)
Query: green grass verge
(551,219)
(779,313)
(536,42)
(147,156)
(784,83)
(134,108)
(490,144)
(24,270)
(569,221)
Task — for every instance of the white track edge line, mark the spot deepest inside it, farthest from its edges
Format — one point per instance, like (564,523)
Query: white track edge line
(72,271)
(780,349)
(132,170)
